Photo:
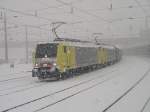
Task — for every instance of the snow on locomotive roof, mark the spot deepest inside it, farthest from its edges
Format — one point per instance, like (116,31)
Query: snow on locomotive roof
(69,43)
(91,44)
(108,46)
(81,44)
(46,42)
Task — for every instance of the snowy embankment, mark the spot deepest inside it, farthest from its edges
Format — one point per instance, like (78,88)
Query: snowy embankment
(90,92)
(7,72)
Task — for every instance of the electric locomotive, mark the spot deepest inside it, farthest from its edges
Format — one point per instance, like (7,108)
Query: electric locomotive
(61,59)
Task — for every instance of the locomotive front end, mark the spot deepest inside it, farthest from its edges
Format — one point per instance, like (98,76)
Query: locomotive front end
(45,61)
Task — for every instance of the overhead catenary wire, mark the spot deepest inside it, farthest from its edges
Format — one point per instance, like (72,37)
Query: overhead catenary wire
(47,6)
(128,18)
(22,25)
(70,5)
(24,13)
(28,14)
(139,4)
(32,15)
(118,8)
(144,11)
(84,11)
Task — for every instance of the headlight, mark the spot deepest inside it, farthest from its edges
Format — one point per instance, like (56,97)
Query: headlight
(36,65)
(54,64)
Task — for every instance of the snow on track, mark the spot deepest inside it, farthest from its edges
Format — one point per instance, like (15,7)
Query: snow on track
(66,93)
(22,80)
(70,86)
(146,106)
(52,87)
(90,92)
(100,97)
(128,91)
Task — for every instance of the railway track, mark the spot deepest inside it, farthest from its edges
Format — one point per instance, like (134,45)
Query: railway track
(76,93)
(112,104)
(23,89)
(126,92)
(22,85)
(14,87)
(145,105)
(15,78)
(83,90)
(15,73)
(65,89)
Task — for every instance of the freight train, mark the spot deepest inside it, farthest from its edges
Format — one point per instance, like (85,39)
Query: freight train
(62,59)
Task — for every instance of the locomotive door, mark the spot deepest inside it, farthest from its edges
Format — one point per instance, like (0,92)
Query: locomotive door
(70,57)
(61,57)
(66,57)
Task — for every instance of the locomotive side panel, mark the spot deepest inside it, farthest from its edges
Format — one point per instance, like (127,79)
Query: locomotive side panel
(86,56)
(103,55)
(110,53)
(61,58)
(70,55)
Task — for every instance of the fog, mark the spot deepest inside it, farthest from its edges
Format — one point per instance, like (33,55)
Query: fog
(124,23)
(88,75)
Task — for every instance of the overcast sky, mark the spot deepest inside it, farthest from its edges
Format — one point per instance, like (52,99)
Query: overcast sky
(109,18)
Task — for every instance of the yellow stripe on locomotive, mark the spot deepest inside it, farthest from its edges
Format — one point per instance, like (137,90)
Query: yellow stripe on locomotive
(65,57)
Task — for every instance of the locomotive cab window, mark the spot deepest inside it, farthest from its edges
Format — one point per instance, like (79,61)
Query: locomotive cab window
(50,50)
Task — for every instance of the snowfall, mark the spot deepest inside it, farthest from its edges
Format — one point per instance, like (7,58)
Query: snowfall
(122,87)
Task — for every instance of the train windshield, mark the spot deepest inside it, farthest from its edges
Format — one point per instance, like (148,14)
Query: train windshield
(49,50)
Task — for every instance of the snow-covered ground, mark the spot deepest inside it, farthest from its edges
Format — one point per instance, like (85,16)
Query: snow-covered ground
(122,87)
(8,72)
